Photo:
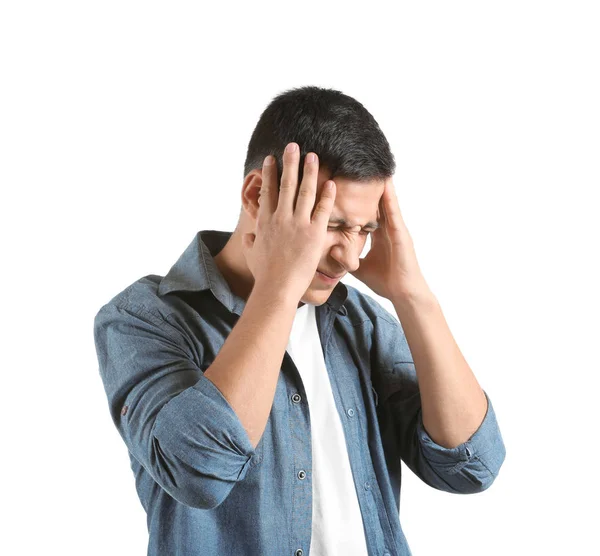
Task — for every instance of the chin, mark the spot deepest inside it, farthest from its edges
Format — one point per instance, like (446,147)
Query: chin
(316,297)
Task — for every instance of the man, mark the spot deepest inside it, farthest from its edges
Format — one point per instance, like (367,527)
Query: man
(266,406)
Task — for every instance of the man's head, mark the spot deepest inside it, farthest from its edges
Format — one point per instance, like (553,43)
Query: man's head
(352,151)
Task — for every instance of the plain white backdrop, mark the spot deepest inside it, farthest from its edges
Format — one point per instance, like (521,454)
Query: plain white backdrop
(123,131)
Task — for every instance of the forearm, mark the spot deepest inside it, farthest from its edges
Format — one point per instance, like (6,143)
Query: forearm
(453,403)
(247,367)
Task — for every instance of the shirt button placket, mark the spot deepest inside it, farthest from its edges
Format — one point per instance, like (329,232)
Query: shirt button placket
(297,398)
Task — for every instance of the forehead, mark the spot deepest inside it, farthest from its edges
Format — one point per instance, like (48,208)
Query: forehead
(356,203)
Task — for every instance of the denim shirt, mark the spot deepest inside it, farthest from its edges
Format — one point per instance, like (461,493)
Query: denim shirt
(205,489)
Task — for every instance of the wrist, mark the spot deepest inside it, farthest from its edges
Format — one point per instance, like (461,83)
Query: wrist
(419,296)
(275,295)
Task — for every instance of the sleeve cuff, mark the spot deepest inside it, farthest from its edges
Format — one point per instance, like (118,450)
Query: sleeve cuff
(485,445)
(202,429)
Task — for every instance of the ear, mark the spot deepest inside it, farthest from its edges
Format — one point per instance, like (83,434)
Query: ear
(251,193)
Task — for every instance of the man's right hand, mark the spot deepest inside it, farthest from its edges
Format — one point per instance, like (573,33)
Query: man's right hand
(285,250)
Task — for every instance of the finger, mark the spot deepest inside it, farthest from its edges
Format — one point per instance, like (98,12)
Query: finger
(393,217)
(324,207)
(289,179)
(305,203)
(267,202)
(382,214)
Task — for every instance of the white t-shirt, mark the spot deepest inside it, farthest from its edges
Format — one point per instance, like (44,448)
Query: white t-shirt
(337,525)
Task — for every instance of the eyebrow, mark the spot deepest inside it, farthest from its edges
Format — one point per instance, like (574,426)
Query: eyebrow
(346,224)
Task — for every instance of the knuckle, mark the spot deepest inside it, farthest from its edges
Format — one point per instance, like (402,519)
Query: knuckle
(278,219)
(305,192)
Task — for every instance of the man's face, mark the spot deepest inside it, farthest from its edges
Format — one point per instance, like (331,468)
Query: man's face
(357,204)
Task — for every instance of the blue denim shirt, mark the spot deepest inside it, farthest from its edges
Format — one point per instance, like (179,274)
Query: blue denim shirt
(205,488)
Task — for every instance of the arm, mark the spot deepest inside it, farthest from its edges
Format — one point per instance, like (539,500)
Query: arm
(174,420)
(247,367)
(468,467)
(453,403)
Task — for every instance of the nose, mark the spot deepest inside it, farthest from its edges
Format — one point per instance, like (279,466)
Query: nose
(346,253)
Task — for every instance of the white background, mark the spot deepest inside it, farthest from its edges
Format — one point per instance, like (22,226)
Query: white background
(123,131)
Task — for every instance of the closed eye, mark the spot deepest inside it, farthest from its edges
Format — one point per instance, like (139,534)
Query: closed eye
(362,232)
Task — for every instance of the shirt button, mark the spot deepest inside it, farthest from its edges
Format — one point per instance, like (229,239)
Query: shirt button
(468,451)
(367,485)
(299,552)
(302,474)
(351,412)
(296,398)
(124,410)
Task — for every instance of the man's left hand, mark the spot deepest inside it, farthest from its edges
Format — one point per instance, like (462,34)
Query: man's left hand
(390,268)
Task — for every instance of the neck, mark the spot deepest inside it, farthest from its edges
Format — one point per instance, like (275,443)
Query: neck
(232,264)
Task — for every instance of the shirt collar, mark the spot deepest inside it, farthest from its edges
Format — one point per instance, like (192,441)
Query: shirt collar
(196,270)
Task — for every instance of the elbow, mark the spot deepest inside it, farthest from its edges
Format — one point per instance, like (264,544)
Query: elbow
(197,486)
(470,476)
(197,447)
(481,472)
(472,480)
(196,495)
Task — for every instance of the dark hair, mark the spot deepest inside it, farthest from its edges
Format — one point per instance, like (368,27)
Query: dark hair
(338,128)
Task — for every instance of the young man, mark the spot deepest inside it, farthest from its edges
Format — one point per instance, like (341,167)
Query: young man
(266,406)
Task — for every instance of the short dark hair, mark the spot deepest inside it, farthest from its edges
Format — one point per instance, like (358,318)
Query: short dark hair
(335,126)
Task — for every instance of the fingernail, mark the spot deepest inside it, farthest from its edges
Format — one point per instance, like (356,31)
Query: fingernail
(291,148)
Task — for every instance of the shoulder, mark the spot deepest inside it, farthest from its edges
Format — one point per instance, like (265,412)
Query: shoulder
(141,298)
(363,307)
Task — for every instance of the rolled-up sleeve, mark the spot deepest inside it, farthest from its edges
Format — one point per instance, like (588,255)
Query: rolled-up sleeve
(468,468)
(173,420)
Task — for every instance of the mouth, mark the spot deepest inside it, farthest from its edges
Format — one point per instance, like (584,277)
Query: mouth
(328,278)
